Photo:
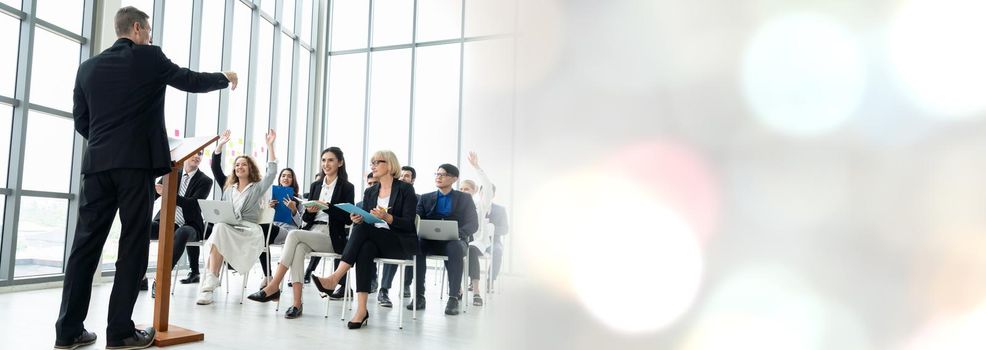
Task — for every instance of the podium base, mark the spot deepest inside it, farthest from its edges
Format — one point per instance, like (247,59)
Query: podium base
(175,335)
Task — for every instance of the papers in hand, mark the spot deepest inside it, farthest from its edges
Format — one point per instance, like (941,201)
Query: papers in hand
(352,209)
(317,204)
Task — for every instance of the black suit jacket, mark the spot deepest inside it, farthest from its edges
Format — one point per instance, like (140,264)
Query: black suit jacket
(344,192)
(199,187)
(119,106)
(463,212)
(402,203)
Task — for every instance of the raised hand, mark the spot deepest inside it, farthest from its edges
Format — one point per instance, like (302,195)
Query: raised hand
(271,136)
(474,159)
(224,138)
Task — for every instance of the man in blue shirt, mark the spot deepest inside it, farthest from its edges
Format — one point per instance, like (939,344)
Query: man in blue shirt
(446,204)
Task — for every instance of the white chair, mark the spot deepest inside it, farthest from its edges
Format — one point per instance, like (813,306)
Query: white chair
(326,259)
(401,264)
(266,217)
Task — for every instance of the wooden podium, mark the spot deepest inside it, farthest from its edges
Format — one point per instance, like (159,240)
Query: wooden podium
(167,334)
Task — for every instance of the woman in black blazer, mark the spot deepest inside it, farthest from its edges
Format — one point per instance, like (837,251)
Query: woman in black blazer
(323,231)
(392,201)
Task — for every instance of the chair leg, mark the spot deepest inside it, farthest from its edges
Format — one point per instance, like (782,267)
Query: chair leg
(441,289)
(400,308)
(466,280)
(414,288)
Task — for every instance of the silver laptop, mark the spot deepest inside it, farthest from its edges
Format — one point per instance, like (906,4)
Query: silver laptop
(438,230)
(218,212)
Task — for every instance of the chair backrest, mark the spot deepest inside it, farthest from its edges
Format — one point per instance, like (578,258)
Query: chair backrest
(266,216)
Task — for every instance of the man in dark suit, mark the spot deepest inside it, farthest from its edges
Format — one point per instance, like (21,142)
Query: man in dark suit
(446,204)
(119,109)
(192,186)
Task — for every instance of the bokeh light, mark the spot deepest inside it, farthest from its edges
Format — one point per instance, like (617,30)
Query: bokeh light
(803,74)
(937,50)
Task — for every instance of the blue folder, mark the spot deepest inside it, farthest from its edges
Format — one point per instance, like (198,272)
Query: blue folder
(281,212)
(352,209)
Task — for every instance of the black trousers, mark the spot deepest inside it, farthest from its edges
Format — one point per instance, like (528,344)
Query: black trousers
(454,250)
(102,194)
(367,243)
(183,235)
(274,231)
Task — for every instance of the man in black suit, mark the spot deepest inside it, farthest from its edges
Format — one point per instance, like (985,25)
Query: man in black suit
(192,186)
(446,204)
(119,109)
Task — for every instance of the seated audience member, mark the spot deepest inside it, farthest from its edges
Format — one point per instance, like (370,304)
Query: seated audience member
(240,244)
(279,230)
(446,204)
(392,201)
(498,217)
(408,175)
(324,230)
(482,196)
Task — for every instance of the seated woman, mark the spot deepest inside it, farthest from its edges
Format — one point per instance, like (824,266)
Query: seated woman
(392,201)
(325,230)
(239,244)
(279,230)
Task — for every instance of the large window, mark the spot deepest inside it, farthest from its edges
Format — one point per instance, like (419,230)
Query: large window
(176,34)
(192,34)
(41,236)
(346,107)
(436,110)
(390,102)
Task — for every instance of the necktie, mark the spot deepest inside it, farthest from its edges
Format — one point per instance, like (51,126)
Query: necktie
(179,218)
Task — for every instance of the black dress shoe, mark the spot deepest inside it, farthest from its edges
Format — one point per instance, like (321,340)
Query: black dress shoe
(421,303)
(85,338)
(384,300)
(358,325)
(293,312)
(339,294)
(452,308)
(192,278)
(143,284)
(308,277)
(141,339)
(261,296)
(407,292)
(477,300)
(154,289)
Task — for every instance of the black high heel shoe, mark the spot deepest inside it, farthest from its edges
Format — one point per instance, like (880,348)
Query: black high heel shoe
(316,280)
(358,325)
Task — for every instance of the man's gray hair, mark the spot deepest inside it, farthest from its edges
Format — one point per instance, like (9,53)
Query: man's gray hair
(126,17)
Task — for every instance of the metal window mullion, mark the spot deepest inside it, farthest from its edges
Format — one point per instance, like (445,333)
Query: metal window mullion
(366,89)
(18,134)
(62,32)
(157,28)
(51,111)
(316,86)
(327,86)
(223,122)
(513,139)
(462,53)
(48,194)
(13,102)
(13,12)
(248,133)
(414,55)
(79,143)
(275,86)
(194,58)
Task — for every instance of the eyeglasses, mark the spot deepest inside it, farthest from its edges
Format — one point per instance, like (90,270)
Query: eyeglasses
(443,175)
(377,162)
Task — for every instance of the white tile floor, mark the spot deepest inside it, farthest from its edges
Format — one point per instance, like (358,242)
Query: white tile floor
(27,321)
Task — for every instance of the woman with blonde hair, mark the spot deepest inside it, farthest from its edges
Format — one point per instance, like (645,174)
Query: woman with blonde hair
(239,244)
(392,201)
